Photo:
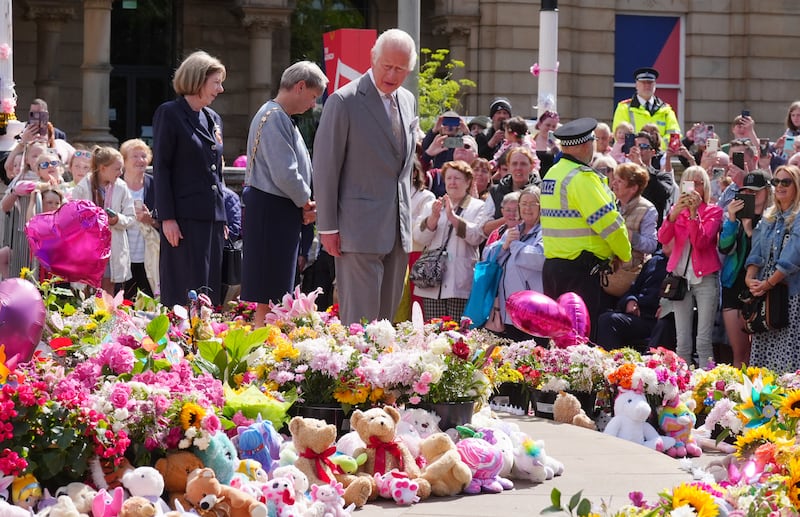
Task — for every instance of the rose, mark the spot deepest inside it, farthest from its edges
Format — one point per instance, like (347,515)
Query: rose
(461,349)
(120,395)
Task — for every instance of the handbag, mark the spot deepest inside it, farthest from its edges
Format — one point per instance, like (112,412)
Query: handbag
(618,282)
(232,263)
(769,311)
(428,270)
(675,287)
(482,296)
(495,320)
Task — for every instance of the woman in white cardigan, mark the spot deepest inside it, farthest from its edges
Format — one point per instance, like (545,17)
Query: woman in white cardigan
(456,214)
(104,188)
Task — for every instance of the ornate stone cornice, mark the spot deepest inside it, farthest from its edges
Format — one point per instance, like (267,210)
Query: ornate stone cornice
(453,25)
(263,18)
(50,11)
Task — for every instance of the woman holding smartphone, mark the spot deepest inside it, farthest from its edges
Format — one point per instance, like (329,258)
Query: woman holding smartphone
(691,228)
(741,217)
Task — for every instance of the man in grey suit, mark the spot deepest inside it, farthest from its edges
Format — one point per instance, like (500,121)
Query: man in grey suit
(362,179)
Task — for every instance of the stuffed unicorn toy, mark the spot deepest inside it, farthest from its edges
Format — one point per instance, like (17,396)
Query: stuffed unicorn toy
(631,411)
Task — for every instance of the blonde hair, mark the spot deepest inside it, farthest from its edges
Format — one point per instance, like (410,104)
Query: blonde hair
(193,72)
(101,157)
(773,210)
(698,172)
(128,146)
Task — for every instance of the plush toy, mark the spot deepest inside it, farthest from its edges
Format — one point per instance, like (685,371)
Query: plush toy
(63,507)
(148,483)
(396,485)
(567,409)
(138,507)
(377,428)
(81,494)
(264,446)
(179,511)
(26,492)
(281,499)
(447,474)
(314,441)
(10,510)
(108,505)
(531,462)
(300,483)
(175,470)
(331,500)
(220,456)
(677,420)
(252,471)
(425,422)
(485,461)
(497,437)
(631,411)
(107,474)
(204,491)
(5,482)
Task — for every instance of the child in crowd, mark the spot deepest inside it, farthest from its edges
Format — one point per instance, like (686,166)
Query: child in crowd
(80,163)
(624,128)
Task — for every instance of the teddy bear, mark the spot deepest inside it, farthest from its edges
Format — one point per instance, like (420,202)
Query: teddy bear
(314,442)
(677,420)
(444,470)
(424,422)
(204,491)
(301,486)
(567,409)
(175,469)
(12,510)
(81,495)
(179,511)
(138,507)
(64,507)
(631,411)
(148,483)
(397,485)
(220,456)
(281,498)
(377,427)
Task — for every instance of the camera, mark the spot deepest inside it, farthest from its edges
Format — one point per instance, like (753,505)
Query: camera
(451,121)
(453,142)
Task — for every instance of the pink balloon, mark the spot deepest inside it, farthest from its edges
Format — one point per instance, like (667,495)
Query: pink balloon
(22,317)
(578,314)
(537,314)
(74,242)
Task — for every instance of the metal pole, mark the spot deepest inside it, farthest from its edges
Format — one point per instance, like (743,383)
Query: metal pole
(548,57)
(408,13)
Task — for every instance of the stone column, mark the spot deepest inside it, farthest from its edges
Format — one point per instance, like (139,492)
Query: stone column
(96,70)
(260,23)
(49,17)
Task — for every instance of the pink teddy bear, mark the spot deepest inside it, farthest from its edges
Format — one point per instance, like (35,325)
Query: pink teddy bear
(397,485)
(331,497)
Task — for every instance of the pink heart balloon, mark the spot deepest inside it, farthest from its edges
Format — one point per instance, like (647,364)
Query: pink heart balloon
(74,242)
(22,317)
(578,315)
(537,314)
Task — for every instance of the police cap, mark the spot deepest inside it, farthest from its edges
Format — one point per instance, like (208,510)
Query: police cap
(645,74)
(576,132)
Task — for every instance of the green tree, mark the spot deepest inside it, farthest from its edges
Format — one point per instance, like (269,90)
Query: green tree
(438,91)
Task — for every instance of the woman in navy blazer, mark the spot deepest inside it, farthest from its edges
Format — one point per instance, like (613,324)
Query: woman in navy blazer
(187,166)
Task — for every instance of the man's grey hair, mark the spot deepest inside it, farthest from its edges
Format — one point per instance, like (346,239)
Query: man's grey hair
(305,71)
(398,39)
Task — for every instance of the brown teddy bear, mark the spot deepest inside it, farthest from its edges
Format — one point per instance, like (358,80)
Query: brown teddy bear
(445,471)
(175,470)
(314,442)
(205,492)
(377,427)
(137,507)
(567,409)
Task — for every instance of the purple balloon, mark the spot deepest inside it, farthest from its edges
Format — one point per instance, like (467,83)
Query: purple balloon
(578,315)
(74,242)
(537,314)
(22,317)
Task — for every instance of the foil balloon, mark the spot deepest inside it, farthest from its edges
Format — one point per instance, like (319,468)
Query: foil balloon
(537,314)
(22,316)
(74,242)
(580,323)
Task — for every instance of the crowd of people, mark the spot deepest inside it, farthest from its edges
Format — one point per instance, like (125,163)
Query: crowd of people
(606,211)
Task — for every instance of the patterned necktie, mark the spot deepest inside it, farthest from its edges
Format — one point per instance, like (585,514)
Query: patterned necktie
(397,127)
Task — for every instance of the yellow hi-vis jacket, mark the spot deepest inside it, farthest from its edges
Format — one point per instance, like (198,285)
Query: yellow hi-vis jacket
(579,213)
(631,111)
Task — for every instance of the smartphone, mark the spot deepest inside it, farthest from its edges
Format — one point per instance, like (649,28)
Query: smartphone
(717,173)
(701,135)
(451,121)
(788,146)
(745,113)
(737,159)
(712,145)
(138,204)
(763,146)
(40,119)
(110,212)
(551,139)
(674,142)
(749,210)
(630,141)
(453,142)
(687,186)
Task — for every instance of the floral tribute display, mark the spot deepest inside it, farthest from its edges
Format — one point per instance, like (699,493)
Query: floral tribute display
(118,384)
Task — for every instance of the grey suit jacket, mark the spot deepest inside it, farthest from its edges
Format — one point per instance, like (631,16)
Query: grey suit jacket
(362,175)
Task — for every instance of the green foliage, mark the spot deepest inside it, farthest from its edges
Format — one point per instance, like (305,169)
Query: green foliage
(578,506)
(227,359)
(438,91)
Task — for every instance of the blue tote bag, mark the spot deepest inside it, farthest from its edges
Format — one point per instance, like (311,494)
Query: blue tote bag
(485,283)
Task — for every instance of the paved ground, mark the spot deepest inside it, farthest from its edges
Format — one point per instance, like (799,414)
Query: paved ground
(602,466)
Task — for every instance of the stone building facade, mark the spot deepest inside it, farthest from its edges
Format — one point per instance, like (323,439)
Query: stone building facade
(732,54)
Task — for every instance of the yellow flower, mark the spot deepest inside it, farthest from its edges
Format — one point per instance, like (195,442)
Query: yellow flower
(376,395)
(68,310)
(101,316)
(285,351)
(791,404)
(191,415)
(700,500)
(352,397)
(747,444)
(24,272)
(302,333)
(90,326)
(793,482)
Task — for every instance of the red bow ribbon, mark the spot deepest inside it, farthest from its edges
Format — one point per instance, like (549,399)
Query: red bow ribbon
(320,460)
(381,450)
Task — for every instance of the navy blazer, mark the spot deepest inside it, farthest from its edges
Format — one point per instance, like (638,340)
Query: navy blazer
(187,163)
(646,290)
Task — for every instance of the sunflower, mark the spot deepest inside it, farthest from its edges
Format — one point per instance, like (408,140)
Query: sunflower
(791,405)
(701,501)
(793,482)
(191,415)
(747,444)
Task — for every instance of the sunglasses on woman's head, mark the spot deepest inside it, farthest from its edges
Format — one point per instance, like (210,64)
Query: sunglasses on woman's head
(82,154)
(784,182)
(46,165)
